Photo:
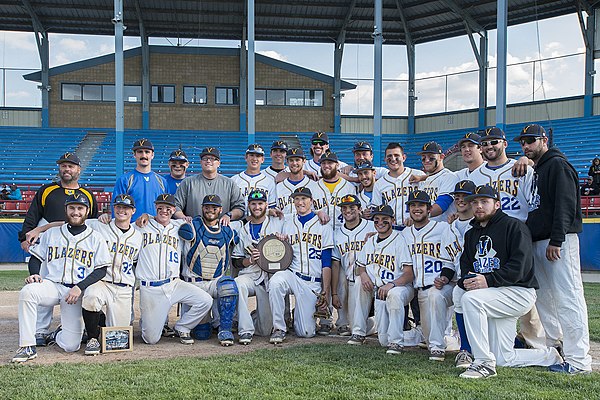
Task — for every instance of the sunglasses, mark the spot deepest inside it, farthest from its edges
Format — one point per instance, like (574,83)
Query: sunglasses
(318,143)
(209,159)
(257,196)
(348,199)
(528,140)
(490,143)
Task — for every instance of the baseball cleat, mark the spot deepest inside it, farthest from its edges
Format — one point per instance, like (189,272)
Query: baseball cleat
(25,354)
(167,331)
(423,345)
(184,337)
(277,337)
(357,340)
(225,338)
(245,338)
(40,339)
(324,329)
(394,348)
(437,355)
(51,338)
(92,347)
(344,330)
(463,359)
(479,371)
(566,368)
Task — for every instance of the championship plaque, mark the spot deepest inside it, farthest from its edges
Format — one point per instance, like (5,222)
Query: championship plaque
(275,255)
(116,338)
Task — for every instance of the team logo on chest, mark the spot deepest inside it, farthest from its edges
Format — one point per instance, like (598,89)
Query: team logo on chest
(486,260)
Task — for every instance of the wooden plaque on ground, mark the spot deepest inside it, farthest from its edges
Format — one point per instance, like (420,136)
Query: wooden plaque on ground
(116,338)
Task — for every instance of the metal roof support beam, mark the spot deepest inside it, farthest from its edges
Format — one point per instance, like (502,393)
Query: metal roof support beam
(410,56)
(466,17)
(483,81)
(119,85)
(251,76)
(589,32)
(501,46)
(338,55)
(146,94)
(243,81)
(43,46)
(377,82)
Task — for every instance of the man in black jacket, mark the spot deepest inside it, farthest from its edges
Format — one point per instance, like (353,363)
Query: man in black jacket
(499,283)
(555,221)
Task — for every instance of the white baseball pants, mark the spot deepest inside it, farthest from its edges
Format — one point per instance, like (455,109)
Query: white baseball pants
(116,299)
(389,314)
(359,304)
(264,318)
(435,309)
(343,292)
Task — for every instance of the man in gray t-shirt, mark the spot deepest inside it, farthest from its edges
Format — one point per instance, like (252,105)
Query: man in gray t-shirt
(192,190)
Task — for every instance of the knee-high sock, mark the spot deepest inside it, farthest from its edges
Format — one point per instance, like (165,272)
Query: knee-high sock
(464,340)
(91,320)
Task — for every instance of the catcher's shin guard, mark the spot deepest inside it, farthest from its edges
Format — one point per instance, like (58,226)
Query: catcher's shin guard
(227,292)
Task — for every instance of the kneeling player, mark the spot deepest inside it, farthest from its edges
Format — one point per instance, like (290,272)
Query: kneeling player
(76,257)
(310,272)
(385,270)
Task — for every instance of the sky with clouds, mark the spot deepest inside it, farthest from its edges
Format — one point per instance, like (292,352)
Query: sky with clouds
(439,88)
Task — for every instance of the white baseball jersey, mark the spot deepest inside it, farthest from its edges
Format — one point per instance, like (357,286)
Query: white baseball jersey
(284,192)
(515,193)
(248,240)
(71,258)
(438,184)
(262,181)
(464,173)
(366,198)
(124,249)
(384,260)
(431,248)
(308,241)
(394,192)
(161,251)
(272,173)
(347,244)
(460,227)
(315,167)
(325,199)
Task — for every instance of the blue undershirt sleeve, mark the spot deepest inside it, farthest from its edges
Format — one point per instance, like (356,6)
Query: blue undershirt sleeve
(444,201)
(326,258)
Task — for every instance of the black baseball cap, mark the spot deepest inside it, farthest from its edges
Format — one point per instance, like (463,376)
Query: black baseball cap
(383,209)
(349,200)
(69,157)
(319,137)
(302,191)
(295,152)
(165,198)
(472,137)
(211,151)
(279,144)
(178,155)
(212,200)
(364,166)
(142,144)
(77,198)
(466,186)
(257,195)
(484,191)
(124,200)
(533,131)
(431,148)
(362,146)
(418,196)
(492,133)
(255,149)
(329,156)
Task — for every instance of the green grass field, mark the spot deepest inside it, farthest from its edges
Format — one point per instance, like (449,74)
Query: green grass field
(12,280)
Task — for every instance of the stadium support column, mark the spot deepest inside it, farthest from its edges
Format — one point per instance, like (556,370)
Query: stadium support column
(410,54)
(377,86)
(146,99)
(589,33)
(501,46)
(44,50)
(119,82)
(337,82)
(483,81)
(251,75)
(243,81)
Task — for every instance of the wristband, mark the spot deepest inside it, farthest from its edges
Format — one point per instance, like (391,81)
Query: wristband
(334,294)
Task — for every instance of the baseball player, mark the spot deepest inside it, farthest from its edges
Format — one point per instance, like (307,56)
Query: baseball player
(158,273)
(432,246)
(498,286)
(470,150)
(347,293)
(394,187)
(385,272)
(366,175)
(555,222)
(439,183)
(319,145)
(279,150)
(297,179)
(207,250)
(252,281)
(178,165)
(75,257)
(142,183)
(253,178)
(363,152)
(310,271)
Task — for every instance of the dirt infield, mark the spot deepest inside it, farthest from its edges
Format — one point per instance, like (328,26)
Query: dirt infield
(166,348)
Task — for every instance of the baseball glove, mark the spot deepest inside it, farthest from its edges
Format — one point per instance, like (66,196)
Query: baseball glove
(322,307)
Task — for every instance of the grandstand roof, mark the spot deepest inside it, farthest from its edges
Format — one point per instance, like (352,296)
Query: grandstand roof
(279,20)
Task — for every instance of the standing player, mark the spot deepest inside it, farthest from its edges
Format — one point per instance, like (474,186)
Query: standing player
(394,187)
(158,272)
(297,179)
(75,257)
(253,178)
(252,281)
(439,183)
(178,165)
(432,246)
(555,222)
(319,145)
(385,272)
(278,152)
(143,184)
(347,294)
(498,286)
(366,176)
(363,152)
(470,150)
(310,272)
(208,246)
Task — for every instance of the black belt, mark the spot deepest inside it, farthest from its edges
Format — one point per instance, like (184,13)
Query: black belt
(307,277)
(120,284)
(424,288)
(192,280)
(69,285)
